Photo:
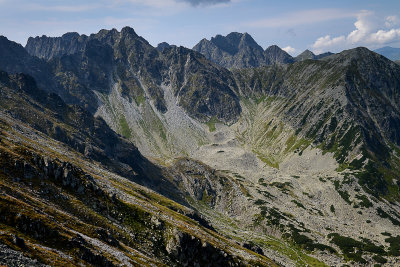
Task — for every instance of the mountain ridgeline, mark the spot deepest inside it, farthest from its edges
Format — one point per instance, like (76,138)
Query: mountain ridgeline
(93,63)
(225,152)
(237,50)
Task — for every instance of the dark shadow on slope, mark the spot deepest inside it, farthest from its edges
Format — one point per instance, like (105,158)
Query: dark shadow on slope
(77,128)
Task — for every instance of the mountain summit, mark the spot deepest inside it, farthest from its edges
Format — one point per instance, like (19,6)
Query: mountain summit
(239,50)
(307,54)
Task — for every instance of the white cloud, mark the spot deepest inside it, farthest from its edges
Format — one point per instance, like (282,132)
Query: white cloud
(326,42)
(383,37)
(368,32)
(301,17)
(365,24)
(289,49)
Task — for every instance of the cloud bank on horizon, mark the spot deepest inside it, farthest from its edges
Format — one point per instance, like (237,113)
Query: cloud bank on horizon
(370,31)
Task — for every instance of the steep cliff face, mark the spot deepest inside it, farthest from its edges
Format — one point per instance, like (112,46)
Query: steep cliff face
(48,48)
(194,79)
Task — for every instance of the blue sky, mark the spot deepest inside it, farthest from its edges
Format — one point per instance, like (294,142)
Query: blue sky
(294,25)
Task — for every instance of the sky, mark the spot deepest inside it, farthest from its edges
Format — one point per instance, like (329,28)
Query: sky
(319,26)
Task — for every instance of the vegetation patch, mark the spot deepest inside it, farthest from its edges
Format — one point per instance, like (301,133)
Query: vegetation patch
(125,130)
(332,208)
(211,124)
(284,187)
(344,194)
(365,202)
(354,249)
(306,242)
(385,215)
(298,204)
(394,249)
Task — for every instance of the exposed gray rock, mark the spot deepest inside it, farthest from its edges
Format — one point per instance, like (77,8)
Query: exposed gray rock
(164,45)
(237,50)
(191,251)
(48,48)
(13,258)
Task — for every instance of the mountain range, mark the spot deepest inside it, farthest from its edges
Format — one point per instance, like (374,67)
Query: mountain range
(237,50)
(115,152)
(389,52)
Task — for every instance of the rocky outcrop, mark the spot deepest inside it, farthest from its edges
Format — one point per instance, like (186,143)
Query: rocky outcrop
(10,257)
(190,251)
(48,48)
(164,45)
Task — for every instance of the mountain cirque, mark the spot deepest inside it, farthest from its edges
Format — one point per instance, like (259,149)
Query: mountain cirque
(120,153)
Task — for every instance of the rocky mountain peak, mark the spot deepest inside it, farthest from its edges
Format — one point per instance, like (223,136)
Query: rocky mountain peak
(128,31)
(70,35)
(228,44)
(306,54)
(11,47)
(164,45)
(240,50)
(275,55)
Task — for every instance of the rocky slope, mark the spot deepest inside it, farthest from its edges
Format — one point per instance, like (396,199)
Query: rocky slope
(63,205)
(336,107)
(111,57)
(156,88)
(295,161)
(237,50)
